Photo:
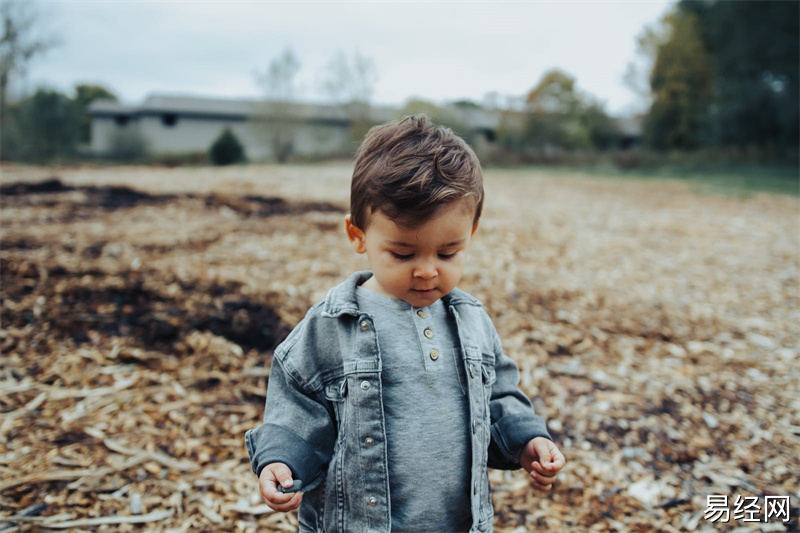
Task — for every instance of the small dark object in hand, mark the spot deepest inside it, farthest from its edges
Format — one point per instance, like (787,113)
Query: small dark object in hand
(296,486)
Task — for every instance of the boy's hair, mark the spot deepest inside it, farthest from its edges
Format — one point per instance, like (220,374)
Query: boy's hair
(411,169)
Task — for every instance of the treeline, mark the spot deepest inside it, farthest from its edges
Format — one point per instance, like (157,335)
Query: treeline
(49,125)
(721,78)
(555,122)
(725,75)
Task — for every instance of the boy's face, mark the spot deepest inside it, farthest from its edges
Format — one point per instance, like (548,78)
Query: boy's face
(417,265)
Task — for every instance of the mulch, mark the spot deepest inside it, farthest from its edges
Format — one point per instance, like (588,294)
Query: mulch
(658,331)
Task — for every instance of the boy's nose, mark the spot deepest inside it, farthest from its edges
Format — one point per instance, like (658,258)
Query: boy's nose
(426,271)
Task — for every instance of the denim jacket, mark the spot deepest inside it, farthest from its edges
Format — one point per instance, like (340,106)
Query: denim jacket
(324,414)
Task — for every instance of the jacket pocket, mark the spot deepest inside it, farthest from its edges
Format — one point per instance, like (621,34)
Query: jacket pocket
(335,393)
(489,378)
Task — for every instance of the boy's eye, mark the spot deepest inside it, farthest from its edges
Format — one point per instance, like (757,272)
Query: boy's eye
(402,257)
(448,256)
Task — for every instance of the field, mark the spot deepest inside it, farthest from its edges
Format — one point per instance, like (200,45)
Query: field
(657,329)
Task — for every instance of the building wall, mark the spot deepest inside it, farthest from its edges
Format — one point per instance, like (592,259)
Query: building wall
(104,130)
(190,134)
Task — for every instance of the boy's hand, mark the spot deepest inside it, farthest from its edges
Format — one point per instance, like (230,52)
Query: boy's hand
(542,460)
(268,481)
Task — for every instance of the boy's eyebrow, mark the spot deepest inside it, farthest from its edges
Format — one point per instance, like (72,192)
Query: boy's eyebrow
(407,245)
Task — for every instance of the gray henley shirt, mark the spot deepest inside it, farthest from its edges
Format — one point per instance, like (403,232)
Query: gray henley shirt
(426,414)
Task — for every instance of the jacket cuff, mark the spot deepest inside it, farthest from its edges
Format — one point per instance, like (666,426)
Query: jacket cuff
(509,435)
(269,443)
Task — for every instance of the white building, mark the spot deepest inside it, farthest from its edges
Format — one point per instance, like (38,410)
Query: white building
(179,125)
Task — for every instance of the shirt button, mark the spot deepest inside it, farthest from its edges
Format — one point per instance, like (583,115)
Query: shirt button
(364,325)
(434,354)
(373,501)
(421,314)
(428,333)
(369,441)
(365,385)
(472,370)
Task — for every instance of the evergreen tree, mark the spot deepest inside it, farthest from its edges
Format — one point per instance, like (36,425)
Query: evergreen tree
(681,83)
(227,149)
(48,126)
(84,95)
(755,57)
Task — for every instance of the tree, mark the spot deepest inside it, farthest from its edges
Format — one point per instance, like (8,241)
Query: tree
(559,115)
(227,149)
(19,44)
(438,114)
(555,93)
(84,95)
(681,85)
(49,126)
(603,133)
(349,82)
(725,74)
(275,119)
(637,73)
(279,79)
(551,104)
(755,59)
(349,79)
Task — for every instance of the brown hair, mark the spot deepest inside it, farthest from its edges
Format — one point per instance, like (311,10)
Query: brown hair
(411,169)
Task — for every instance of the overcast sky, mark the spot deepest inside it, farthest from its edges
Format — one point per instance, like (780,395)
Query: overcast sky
(438,51)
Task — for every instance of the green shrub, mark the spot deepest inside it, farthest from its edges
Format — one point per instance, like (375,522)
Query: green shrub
(227,149)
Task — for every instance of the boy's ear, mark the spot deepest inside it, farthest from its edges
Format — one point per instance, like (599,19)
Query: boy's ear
(474,228)
(355,235)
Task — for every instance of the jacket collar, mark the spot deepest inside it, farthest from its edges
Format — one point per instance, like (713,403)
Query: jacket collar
(341,299)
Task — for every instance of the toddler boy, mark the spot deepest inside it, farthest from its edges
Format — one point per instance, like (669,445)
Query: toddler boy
(389,400)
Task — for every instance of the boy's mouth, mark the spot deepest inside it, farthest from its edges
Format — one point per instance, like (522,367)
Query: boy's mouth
(424,291)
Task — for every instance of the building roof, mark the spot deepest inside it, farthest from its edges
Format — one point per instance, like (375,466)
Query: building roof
(233,109)
(242,109)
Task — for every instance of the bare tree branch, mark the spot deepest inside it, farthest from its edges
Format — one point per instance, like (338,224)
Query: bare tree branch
(19,43)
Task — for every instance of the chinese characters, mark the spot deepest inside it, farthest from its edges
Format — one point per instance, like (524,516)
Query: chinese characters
(747,509)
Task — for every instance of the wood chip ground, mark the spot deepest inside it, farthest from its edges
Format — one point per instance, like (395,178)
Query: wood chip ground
(656,328)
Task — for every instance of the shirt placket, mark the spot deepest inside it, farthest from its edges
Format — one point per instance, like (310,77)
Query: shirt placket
(428,338)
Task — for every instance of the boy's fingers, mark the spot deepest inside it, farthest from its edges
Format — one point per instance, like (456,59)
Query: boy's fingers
(542,449)
(292,503)
(273,497)
(539,469)
(543,479)
(283,474)
(556,461)
(551,461)
(271,475)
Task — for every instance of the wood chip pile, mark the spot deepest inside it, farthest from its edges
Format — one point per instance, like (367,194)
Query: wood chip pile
(658,330)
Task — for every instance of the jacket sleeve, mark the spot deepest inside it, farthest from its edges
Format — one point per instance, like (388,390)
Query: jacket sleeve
(513,420)
(298,428)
